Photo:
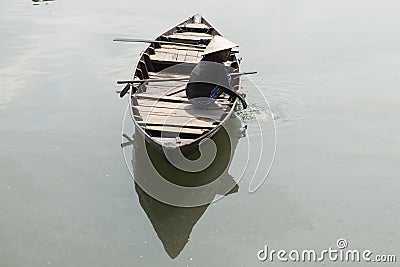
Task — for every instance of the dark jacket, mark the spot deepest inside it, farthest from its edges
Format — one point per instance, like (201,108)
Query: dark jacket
(204,79)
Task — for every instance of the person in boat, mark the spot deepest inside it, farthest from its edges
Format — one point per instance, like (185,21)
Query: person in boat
(209,78)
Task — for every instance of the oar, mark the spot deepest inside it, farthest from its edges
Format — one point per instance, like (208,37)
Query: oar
(177,79)
(153,80)
(126,89)
(235,94)
(227,91)
(231,74)
(155,42)
(242,73)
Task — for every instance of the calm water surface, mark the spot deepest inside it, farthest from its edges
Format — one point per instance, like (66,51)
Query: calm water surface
(330,70)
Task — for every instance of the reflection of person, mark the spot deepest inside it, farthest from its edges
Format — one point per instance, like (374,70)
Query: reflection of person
(209,77)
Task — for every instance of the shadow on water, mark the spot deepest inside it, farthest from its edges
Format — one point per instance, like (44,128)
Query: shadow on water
(172,224)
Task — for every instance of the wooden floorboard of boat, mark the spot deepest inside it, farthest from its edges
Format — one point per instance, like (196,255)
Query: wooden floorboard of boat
(176,130)
(161,97)
(162,89)
(218,105)
(212,114)
(176,90)
(164,97)
(185,122)
(165,74)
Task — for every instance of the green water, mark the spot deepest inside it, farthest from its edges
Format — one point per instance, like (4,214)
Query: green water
(330,71)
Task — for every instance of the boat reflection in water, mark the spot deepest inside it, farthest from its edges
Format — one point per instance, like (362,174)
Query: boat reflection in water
(173,224)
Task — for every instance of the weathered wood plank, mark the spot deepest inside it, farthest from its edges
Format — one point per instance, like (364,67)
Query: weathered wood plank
(194,26)
(182,47)
(221,105)
(173,54)
(176,130)
(192,59)
(162,88)
(190,36)
(165,74)
(180,94)
(159,57)
(181,55)
(176,89)
(193,53)
(161,97)
(193,56)
(163,54)
(153,103)
(191,122)
(211,114)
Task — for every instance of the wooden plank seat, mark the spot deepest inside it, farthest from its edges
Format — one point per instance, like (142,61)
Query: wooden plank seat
(189,36)
(164,54)
(201,26)
(182,47)
(164,58)
(176,55)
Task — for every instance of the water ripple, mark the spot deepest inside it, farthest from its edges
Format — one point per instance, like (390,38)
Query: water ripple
(289,99)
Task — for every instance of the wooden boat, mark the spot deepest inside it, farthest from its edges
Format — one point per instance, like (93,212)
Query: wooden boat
(161,111)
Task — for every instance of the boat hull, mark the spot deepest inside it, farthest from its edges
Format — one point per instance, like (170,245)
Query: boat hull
(186,131)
